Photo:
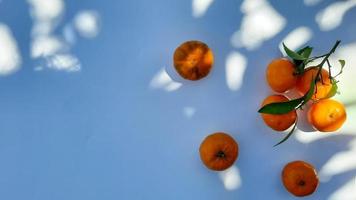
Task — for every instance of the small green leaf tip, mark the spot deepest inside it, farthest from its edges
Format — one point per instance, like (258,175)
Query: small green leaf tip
(292,54)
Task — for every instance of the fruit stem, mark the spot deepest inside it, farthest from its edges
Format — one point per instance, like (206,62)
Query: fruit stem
(316,57)
(326,59)
(301,183)
(221,154)
(329,66)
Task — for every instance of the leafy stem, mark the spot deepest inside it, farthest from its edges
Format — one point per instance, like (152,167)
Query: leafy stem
(288,135)
(301,58)
(326,59)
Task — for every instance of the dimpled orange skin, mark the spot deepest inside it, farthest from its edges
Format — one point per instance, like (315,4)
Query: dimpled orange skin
(278,122)
(218,151)
(327,115)
(280,75)
(300,178)
(322,88)
(193,60)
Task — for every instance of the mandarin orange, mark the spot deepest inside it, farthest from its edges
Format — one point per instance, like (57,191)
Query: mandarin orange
(327,115)
(278,122)
(322,87)
(280,75)
(300,178)
(193,60)
(218,151)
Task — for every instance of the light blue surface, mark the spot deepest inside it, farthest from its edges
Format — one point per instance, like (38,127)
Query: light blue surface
(103,133)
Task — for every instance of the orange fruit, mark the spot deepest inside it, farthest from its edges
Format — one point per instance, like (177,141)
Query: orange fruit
(218,151)
(322,88)
(280,75)
(193,60)
(327,115)
(278,122)
(300,178)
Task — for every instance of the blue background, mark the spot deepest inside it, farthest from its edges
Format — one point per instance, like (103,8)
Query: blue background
(103,133)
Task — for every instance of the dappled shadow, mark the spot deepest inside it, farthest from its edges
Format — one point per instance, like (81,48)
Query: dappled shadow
(229,97)
(331,17)
(130,127)
(231,178)
(51,41)
(52,50)
(10,58)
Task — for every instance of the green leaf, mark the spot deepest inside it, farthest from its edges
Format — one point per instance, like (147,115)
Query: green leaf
(306,52)
(333,90)
(293,54)
(300,68)
(310,93)
(279,108)
(300,51)
(288,135)
(342,63)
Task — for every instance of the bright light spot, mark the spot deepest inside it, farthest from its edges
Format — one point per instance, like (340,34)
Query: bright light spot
(231,178)
(331,17)
(311,2)
(172,86)
(347,78)
(163,81)
(260,23)
(306,137)
(55,49)
(10,58)
(346,192)
(200,7)
(349,126)
(87,23)
(41,28)
(45,46)
(296,38)
(64,62)
(339,163)
(189,111)
(235,68)
(46,10)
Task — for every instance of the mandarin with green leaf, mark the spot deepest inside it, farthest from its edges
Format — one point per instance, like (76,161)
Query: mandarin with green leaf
(323,86)
(278,122)
(280,75)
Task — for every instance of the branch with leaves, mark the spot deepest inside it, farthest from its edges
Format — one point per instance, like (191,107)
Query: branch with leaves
(301,59)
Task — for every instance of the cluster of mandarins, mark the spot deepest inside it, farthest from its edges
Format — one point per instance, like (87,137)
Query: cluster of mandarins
(325,114)
(193,60)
